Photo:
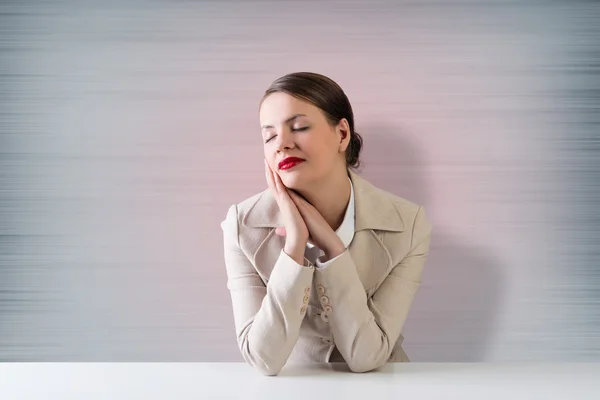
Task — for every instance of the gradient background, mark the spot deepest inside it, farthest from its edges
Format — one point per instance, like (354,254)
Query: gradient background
(127,128)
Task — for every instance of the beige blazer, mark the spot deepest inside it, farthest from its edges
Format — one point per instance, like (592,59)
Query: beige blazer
(351,311)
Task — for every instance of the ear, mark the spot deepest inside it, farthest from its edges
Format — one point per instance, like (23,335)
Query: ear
(344,134)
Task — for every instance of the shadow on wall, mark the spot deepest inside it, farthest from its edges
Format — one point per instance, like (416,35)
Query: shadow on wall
(454,314)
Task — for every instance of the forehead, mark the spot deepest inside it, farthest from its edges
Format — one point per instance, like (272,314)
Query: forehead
(277,107)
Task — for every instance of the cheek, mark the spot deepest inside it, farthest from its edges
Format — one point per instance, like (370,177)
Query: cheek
(322,152)
(270,156)
(268,152)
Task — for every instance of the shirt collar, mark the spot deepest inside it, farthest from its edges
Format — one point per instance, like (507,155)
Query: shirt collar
(346,229)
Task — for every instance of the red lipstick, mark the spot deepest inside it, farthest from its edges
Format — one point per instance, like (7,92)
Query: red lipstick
(289,162)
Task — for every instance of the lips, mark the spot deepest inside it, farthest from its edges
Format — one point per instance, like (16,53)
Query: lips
(289,162)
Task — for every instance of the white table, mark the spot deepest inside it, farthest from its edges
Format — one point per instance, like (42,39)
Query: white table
(205,381)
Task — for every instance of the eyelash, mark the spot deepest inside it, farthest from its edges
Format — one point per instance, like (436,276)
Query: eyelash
(293,130)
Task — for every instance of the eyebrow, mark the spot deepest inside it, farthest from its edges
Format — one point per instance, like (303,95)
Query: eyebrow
(290,119)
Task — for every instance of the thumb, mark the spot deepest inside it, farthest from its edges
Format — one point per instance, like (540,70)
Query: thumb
(280,231)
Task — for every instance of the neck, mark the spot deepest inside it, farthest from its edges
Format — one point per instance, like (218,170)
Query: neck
(330,196)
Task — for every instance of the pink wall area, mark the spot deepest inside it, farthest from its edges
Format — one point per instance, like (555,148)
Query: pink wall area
(128,131)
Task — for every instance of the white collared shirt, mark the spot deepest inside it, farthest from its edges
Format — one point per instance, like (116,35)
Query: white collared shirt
(345,232)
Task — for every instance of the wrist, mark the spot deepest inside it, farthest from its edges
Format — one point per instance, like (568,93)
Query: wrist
(299,259)
(334,252)
(295,252)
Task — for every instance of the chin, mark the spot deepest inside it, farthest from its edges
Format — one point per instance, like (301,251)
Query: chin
(293,181)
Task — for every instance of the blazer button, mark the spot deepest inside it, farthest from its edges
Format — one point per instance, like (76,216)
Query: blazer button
(305,299)
(328,342)
(307,290)
(328,309)
(324,300)
(320,289)
(324,317)
(303,310)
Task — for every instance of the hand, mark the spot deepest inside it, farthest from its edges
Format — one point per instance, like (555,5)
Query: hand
(295,228)
(321,234)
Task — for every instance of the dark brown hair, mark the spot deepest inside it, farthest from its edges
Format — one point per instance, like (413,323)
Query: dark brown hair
(323,93)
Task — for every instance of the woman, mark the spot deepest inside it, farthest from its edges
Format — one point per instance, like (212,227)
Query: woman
(322,266)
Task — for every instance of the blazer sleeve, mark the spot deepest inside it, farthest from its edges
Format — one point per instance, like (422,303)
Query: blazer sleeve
(267,317)
(365,331)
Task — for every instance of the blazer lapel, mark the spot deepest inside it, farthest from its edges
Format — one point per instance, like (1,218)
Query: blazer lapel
(374,208)
(264,213)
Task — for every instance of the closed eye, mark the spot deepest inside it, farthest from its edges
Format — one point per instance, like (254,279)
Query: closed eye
(304,128)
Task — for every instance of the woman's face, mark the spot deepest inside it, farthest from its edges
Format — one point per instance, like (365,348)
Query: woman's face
(294,128)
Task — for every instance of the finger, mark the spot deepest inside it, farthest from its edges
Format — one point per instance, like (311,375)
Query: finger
(267,173)
(270,179)
(294,198)
(278,183)
(301,202)
(275,180)
(300,206)
(298,200)
(293,195)
(280,231)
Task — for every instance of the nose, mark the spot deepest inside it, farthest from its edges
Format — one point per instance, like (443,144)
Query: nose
(285,141)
